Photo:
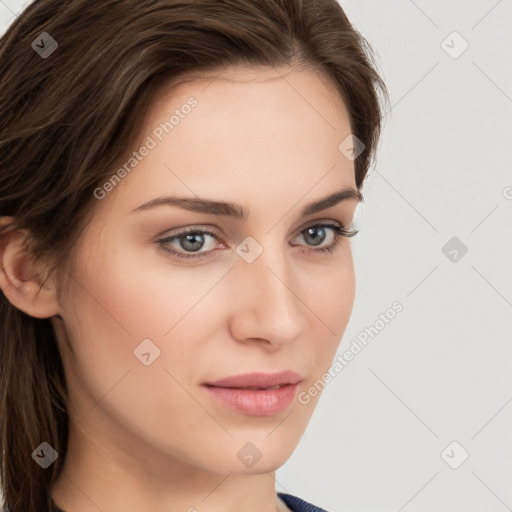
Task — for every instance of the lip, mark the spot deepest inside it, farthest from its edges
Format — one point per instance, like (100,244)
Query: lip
(231,392)
(258,380)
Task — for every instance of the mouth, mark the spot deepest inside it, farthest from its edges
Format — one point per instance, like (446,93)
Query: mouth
(255,394)
(258,380)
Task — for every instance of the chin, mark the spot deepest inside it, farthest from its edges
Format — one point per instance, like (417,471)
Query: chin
(251,454)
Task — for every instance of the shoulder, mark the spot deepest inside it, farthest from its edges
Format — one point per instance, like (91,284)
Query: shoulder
(297,504)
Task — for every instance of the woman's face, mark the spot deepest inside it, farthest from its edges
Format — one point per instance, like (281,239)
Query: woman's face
(146,329)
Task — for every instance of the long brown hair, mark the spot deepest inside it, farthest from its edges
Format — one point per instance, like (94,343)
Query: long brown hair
(68,116)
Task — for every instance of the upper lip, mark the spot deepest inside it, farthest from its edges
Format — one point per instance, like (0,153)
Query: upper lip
(258,380)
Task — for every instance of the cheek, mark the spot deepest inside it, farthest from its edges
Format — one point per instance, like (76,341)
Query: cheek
(331,301)
(130,296)
(108,314)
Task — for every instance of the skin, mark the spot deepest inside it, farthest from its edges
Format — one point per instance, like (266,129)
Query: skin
(148,437)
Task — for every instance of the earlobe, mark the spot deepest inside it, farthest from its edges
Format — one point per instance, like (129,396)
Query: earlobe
(21,278)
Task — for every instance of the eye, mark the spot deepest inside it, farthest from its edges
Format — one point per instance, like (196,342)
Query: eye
(338,233)
(192,240)
(189,240)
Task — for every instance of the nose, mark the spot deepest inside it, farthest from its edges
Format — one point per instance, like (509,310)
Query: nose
(270,304)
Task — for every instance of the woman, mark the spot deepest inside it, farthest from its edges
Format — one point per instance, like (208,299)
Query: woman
(177,186)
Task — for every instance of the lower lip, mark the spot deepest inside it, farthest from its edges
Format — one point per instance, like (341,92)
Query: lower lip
(255,402)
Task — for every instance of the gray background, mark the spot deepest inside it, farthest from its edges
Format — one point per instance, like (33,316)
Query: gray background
(440,371)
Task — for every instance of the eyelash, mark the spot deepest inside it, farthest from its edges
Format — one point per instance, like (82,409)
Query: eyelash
(339,233)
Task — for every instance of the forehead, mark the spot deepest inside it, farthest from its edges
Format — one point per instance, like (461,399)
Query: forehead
(250,131)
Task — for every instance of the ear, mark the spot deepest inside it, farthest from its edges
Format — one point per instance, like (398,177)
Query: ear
(21,277)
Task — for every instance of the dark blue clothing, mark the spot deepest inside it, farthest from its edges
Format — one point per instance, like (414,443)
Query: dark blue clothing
(297,504)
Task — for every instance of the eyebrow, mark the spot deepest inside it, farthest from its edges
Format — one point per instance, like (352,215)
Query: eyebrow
(212,207)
